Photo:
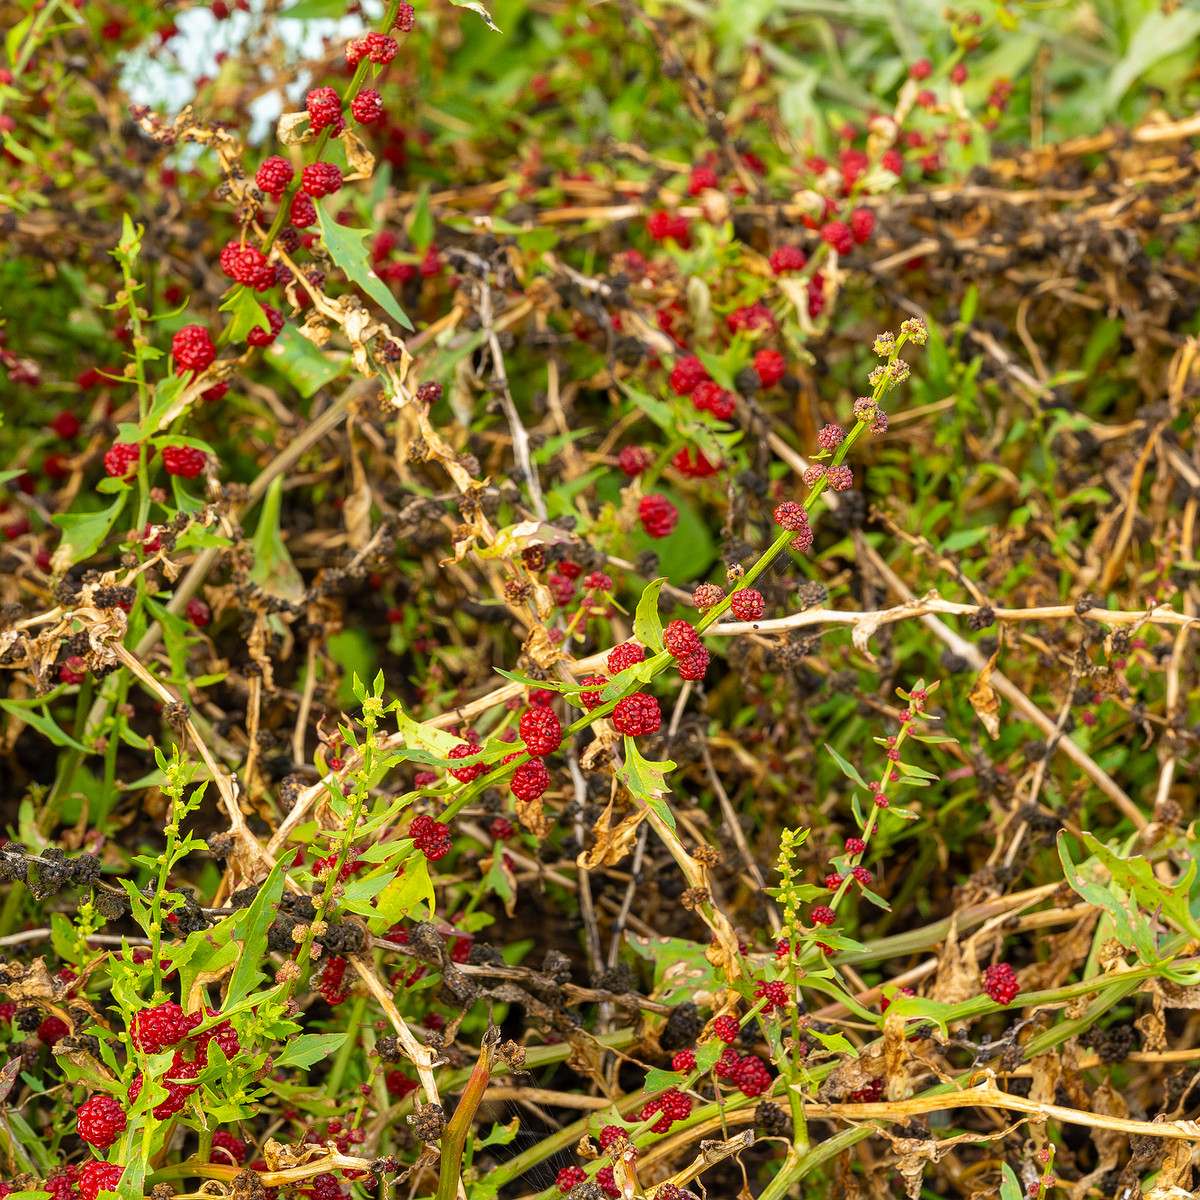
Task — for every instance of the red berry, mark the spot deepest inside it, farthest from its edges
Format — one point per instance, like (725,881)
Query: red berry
(840,477)
(303,212)
(708,595)
(775,993)
(662,225)
(701,178)
(65,424)
(748,604)
(693,666)
(855,845)
(685,1060)
(769,366)
(318,179)
(728,1029)
(96,1177)
(259,336)
(274,174)
(837,234)
(184,460)
(958,73)
(791,516)
(862,875)
(530,780)
(637,714)
(430,837)
(120,460)
(198,613)
(51,1030)
(324,108)
(687,373)
(833,881)
(607,1182)
(681,639)
(1000,983)
(590,700)
(788,258)
(752,317)
(891,160)
(921,69)
(193,349)
(568,1177)
(712,397)
(226,1147)
(406,18)
(658,515)
(501,829)
(540,731)
(830,437)
(610,1134)
(623,656)
(466,774)
(247,265)
(862,222)
(822,914)
(367,106)
(100,1121)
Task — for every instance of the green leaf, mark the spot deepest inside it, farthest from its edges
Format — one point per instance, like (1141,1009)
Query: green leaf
(310,9)
(359,893)
(646,780)
(250,932)
(501,1135)
(1157,37)
(847,769)
(658,411)
(309,1048)
(273,569)
(680,967)
(45,724)
(420,226)
(346,248)
(305,367)
(647,624)
(404,895)
(246,314)
(1010,1186)
(84,533)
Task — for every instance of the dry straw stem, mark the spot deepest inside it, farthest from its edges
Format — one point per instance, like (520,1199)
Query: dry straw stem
(987,1095)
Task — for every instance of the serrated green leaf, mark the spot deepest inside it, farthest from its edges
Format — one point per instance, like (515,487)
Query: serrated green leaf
(250,933)
(501,1135)
(45,724)
(346,247)
(659,412)
(646,781)
(305,367)
(404,895)
(647,624)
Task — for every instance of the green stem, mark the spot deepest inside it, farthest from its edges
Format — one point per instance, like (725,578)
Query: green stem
(349,1048)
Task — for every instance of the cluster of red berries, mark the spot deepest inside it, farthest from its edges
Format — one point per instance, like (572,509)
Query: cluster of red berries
(247,265)
(431,837)
(727,1028)
(530,780)
(749,1074)
(633,460)
(100,1121)
(747,604)
(657,515)
(330,982)
(774,992)
(791,516)
(637,714)
(193,349)
(626,655)
(1000,983)
(185,461)
(466,774)
(672,1104)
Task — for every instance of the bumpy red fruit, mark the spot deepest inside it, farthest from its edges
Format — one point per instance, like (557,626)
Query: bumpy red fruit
(1000,983)
(774,992)
(223,1142)
(788,258)
(193,349)
(590,700)
(430,837)
(324,108)
(700,179)
(152,1030)
(748,604)
(378,47)
(568,1177)
(367,106)
(530,780)
(727,1029)
(186,461)
(633,460)
(681,639)
(273,175)
(837,234)
(627,654)
(687,374)
(694,666)
(198,613)
(840,477)
(540,731)
(406,18)
(259,336)
(822,914)
(120,460)
(247,265)
(320,179)
(769,366)
(709,396)
(708,595)
(637,714)
(303,212)
(862,222)
(658,515)
(855,845)
(96,1177)
(791,516)
(100,1121)
(685,1060)
(466,774)
(830,437)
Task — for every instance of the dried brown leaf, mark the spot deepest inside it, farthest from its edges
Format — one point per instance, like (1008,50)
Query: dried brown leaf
(984,698)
